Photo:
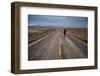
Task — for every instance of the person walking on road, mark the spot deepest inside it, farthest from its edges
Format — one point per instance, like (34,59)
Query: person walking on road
(64,32)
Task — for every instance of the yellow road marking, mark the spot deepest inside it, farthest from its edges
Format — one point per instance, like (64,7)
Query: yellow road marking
(60,44)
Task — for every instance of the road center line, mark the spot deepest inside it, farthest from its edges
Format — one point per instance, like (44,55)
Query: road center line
(59,51)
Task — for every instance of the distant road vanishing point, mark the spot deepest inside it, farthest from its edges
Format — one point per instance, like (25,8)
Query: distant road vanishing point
(57,44)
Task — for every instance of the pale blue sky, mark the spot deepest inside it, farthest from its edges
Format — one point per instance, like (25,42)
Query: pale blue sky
(64,21)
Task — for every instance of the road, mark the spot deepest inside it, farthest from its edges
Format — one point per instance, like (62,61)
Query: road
(56,45)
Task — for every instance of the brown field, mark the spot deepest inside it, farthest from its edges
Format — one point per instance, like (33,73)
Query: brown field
(80,33)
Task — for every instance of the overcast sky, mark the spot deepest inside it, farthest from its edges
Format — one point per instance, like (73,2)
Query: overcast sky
(64,21)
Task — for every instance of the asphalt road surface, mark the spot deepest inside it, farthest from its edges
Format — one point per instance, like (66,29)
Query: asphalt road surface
(57,45)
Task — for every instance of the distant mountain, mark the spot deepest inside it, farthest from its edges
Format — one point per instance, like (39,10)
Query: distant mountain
(54,27)
(41,26)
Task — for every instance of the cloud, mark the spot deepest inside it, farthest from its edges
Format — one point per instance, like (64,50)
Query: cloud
(65,21)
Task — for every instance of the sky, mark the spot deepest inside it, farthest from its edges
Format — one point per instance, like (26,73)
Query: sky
(60,21)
